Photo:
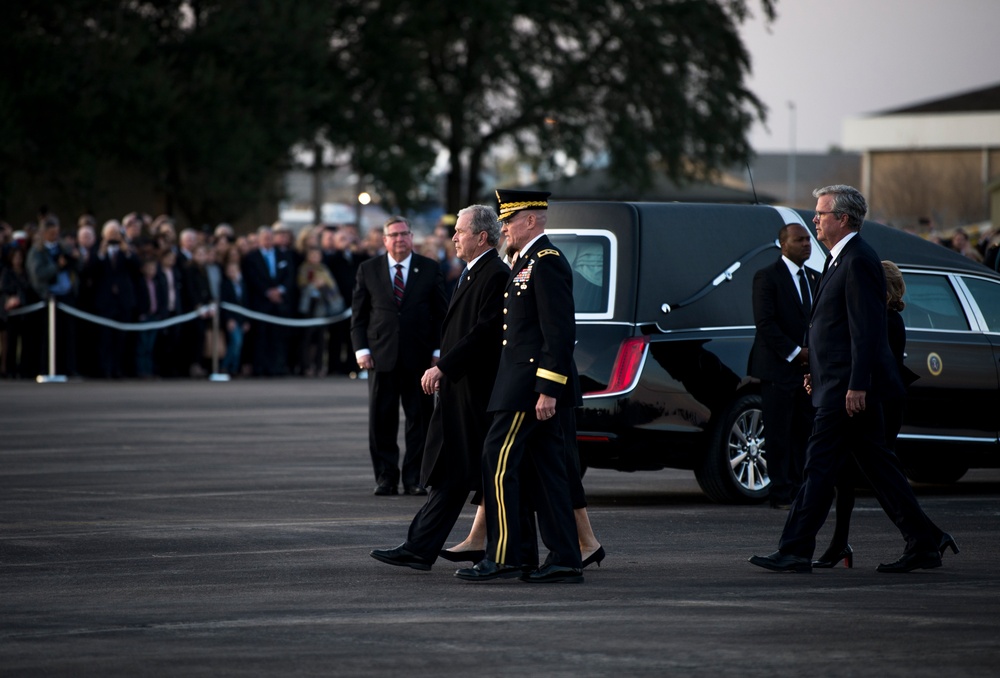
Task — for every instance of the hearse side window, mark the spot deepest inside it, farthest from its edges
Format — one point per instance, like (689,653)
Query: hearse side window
(588,255)
(987,296)
(931,304)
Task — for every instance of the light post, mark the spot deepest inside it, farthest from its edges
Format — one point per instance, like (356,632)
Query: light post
(791,154)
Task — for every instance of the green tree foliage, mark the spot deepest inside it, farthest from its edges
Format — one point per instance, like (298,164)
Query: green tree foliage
(643,83)
(201,100)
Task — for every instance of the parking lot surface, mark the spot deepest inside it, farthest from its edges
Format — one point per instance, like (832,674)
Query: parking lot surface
(222,529)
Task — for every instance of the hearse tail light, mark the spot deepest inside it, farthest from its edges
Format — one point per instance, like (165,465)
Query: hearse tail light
(628,362)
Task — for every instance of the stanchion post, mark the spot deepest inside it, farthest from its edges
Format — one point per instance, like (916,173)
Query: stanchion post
(51,377)
(216,375)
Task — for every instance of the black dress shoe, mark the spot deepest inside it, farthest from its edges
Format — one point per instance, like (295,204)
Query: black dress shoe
(595,557)
(908,562)
(485,570)
(554,574)
(782,562)
(947,542)
(834,555)
(415,490)
(473,556)
(402,557)
(385,490)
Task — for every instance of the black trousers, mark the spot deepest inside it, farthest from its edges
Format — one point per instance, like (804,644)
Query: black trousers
(386,391)
(515,442)
(788,415)
(836,436)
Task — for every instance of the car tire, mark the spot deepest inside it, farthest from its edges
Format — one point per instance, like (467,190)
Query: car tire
(734,467)
(934,471)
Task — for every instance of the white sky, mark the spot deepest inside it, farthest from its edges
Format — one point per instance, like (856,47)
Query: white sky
(837,59)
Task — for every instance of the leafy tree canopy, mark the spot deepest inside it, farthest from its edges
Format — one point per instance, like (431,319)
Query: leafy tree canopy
(201,100)
(643,83)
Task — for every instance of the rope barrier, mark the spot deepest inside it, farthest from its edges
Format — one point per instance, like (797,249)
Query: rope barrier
(202,311)
(24,310)
(288,322)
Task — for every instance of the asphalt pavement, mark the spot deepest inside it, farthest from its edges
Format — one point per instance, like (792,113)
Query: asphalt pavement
(191,528)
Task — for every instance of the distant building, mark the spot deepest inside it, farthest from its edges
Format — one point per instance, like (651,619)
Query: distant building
(932,162)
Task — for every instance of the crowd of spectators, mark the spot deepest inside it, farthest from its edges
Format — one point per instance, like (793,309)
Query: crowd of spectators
(140,269)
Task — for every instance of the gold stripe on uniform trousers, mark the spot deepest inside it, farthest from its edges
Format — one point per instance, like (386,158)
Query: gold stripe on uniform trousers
(515,426)
(551,376)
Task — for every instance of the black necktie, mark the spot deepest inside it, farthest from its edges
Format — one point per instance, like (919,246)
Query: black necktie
(804,292)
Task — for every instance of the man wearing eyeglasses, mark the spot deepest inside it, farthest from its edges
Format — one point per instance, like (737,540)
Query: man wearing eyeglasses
(851,370)
(397,310)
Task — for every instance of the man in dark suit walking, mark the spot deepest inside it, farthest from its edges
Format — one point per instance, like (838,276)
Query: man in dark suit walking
(463,380)
(396,316)
(537,377)
(851,371)
(782,302)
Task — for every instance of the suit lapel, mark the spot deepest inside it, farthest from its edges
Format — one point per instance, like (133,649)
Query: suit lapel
(382,276)
(834,268)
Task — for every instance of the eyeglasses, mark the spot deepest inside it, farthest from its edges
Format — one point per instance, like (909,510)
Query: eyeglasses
(399,234)
(819,215)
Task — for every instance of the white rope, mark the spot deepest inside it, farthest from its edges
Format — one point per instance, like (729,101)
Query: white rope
(23,310)
(203,311)
(206,311)
(288,322)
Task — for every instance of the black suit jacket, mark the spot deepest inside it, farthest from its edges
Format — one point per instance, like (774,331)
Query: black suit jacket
(144,302)
(781,323)
(398,336)
(113,290)
(258,279)
(847,339)
(470,354)
(539,333)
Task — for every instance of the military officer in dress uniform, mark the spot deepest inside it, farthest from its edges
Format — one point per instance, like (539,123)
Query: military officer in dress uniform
(536,378)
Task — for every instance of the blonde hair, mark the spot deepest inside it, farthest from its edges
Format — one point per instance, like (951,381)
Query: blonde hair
(895,287)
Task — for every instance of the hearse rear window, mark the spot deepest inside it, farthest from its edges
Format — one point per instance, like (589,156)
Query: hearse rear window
(592,255)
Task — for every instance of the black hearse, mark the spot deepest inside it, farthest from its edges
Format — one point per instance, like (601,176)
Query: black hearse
(665,326)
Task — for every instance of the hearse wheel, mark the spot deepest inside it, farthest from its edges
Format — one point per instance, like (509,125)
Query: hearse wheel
(734,468)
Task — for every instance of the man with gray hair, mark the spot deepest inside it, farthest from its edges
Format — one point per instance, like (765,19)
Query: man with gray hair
(851,371)
(463,379)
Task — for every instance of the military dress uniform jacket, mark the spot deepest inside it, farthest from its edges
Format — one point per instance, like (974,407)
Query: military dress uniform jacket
(539,333)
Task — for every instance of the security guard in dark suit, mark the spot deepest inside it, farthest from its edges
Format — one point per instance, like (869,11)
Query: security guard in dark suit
(782,302)
(537,376)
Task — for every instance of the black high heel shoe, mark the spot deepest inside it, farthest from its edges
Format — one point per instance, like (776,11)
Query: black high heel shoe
(595,557)
(473,556)
(947,542)
(831,557)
